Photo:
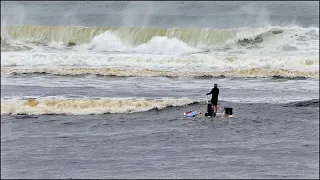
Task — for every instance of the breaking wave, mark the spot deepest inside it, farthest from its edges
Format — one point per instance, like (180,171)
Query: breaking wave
(154,39)
(85,106)
(289,52)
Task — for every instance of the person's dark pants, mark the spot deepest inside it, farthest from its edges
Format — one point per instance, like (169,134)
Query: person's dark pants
(214,104)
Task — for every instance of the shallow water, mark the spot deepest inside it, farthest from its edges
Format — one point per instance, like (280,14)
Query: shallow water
(261,141)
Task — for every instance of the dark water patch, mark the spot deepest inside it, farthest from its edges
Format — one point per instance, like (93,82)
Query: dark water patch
(210,77)
(70,44)
(289,48)
(256,121)
(44,73)
(61,137)
(274,77)
(28,73)
(50,120)
(306,145)
(289,78)
(66,123)
(156,109)
(174,119)
(111,76)
(309,103)
(25,116)
(259,38)
(250,41)
(277,31)
(77,123)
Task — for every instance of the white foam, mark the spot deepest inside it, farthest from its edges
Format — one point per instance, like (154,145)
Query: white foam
(196,62)
(57,45)
(108,41)
(273,43)
(165,45)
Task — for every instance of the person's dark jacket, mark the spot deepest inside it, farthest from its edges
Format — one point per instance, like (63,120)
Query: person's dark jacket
(215,93)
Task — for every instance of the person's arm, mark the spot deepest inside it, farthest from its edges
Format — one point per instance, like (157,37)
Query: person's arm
(210,92)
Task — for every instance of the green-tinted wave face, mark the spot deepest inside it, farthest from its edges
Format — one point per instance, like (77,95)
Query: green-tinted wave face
(130,36)
(187,40)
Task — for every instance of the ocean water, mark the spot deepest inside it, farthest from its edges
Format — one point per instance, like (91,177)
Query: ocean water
(98,89)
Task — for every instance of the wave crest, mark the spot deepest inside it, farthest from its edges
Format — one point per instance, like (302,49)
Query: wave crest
(77,35)
(85,106)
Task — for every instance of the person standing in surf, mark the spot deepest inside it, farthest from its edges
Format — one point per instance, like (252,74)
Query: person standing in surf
(214,99)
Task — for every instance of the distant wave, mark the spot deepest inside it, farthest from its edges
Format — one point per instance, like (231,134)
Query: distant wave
(279,52)
(242,73)
(85,106)
(154,39)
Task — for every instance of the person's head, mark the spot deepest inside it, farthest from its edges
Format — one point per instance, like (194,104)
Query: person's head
(215,85)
